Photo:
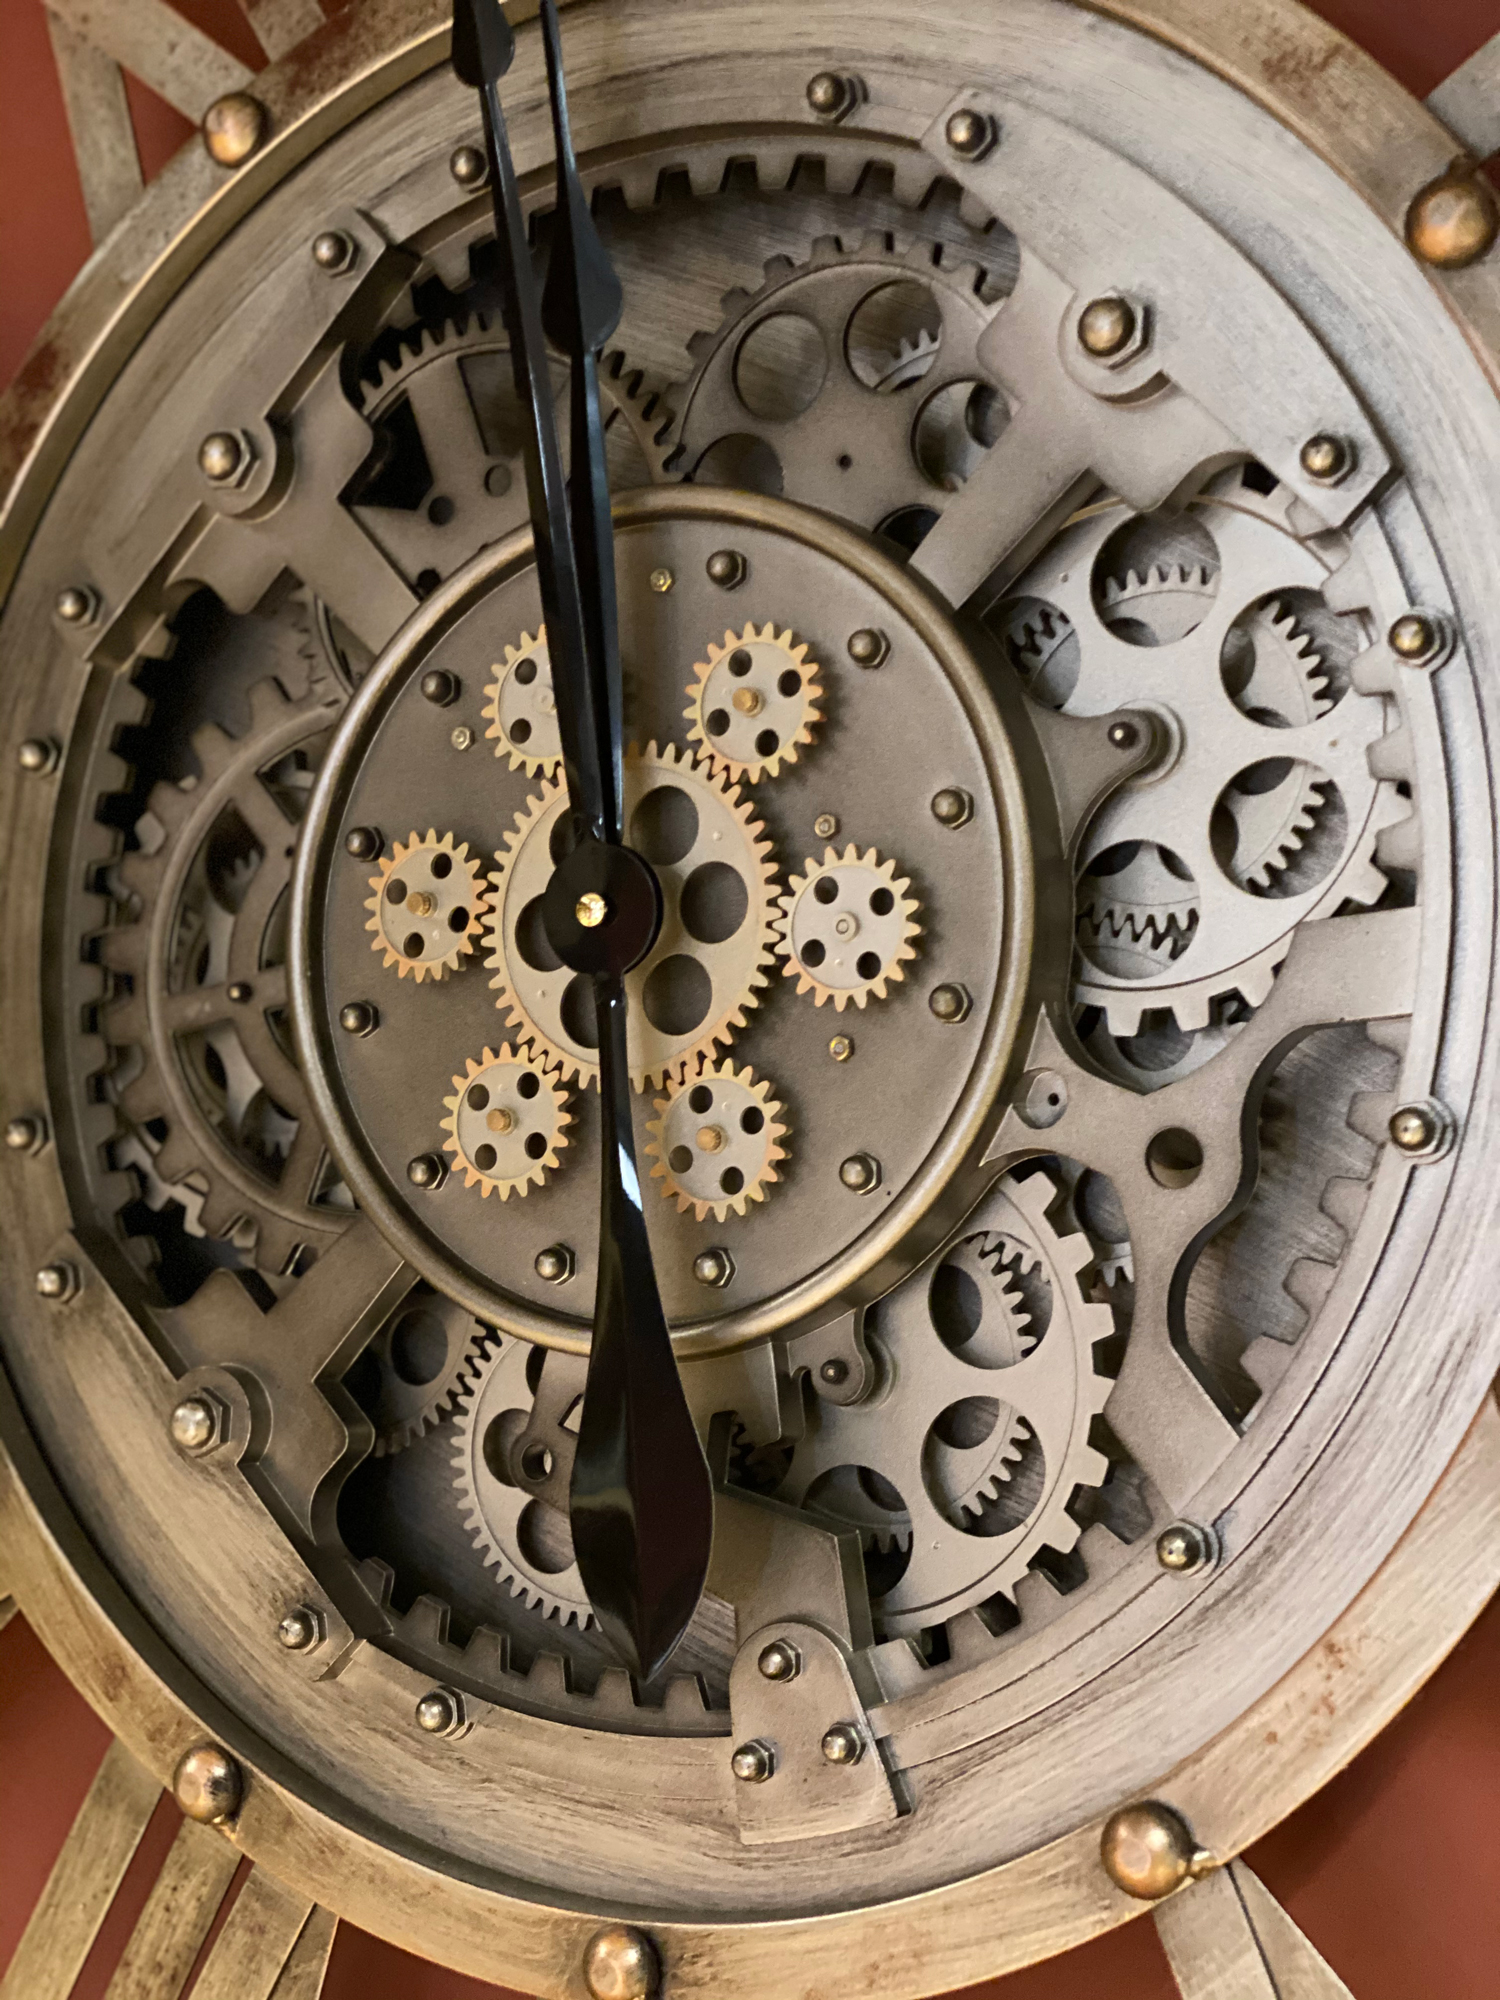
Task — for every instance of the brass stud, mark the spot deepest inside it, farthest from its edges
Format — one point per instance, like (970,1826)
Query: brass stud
(461,736)
(233,127)
(25,1135)
(359,1018)
(38,756)
(1419,638)
(1106,327)
(661,581)
(754,1762)
(208,1785)
(826,825)
(333,251)
(952,807)
(843,1744)
(868,648)
(970,134)
(591,910)
(439,1712)
(223,458)
(727,568)
(841,1047)
(426,1171)
(240,992)
(1123,735)
(300,1630)
(1185,1547)
(440,688)
(363,842)
(194,1424)
(554,1265)
(620,1963)
(77,605)
(713,1267)
(57,1283)
(1422,1131)
(1148,1852)
(469,167)
(1453,221)
(950,1004)
(1327,459)
(833,97)
(860,1173)
(780,1661)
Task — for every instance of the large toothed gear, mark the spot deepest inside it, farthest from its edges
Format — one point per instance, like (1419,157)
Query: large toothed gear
(506,1123)
(427,910)
(412,1373)
(695,986)
(967,1461)
(754,702)
(847,927)
(716,1140)
(521,709)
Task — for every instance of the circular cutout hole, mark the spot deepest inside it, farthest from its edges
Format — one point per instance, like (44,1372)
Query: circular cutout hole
(576,1008)
(752,1120)
(1287,659)
(478,1097)
(825,889)
(419,1347)
(520,730)
(700,1099)
(500,1434)
(412,944)
(1137,909)
(893,336)
(954,429)
(1279,828)
(527,1085)
(714,902)
(789,683)
(536,1146)
(458,920)
(908,527)
(767,743)
(1156,578)
(741,460)
(882,902)
(718,721)
(740,663)
(441,511)
(1174,1158)
(536,1463)
(395,891)
(664,825)
(484,1158)
(442,866)
(780,367)
(731,1180)
(532,941)
(813,953)
(677,995)
(867,965)
(525,671)
(680,1160)
(545,1539)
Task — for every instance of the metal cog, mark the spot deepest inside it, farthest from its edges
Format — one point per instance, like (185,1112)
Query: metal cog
(201,986)
(716,1141)
(521,709)
(753,701)
(692,990)
(428,907)
(969,1458)
(505,1123)
(846,927)
(412,1373)
(1164,605)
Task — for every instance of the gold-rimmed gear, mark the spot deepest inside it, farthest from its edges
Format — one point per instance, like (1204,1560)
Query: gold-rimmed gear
(521,709)
(715,1141)
(847,927)
(427,909)
(506,1123)
(753,702)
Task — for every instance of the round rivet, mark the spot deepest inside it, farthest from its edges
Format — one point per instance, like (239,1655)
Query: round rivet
(826,825)
(780,1661)
(37,756)
(952,807)
(193,1424)
(834,1372)
(591,910)
(1106,327)
(1148,1852)
(713,1267)
(727,568)
(1454,219)
(363,842)
(208,1785)
(437,1712)
(1184,1547)
(832,96)
(426,1171)
(970,134)
(1123,735)
(860,1173)
(950,1003)
(298,1631)
(554,1265)
(1327,459)
(469,167)
(25,1135)
(753,1763)
(77,606)
(620,1963)
(1418,638)
(867,647)
(462,738)
(221,457)
(439,688)
(843,1744)
(841,1047)
(358,1018)
(333,251)
(233,127)
(57,1282)
(1422,1131)
(661,581)
(240,992)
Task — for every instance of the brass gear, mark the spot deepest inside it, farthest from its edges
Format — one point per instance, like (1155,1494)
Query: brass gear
(505,1123)
(521,709)
(432,925)
(716,1140)
(846,927)
(753,701)
(692,990)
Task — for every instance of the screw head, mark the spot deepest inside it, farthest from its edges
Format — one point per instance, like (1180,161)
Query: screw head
(1148,1852)
(1422,1131)
(860,1173)
(952,807)
(1417,638)
(462,738)
(970,134)
(37,756)
(299,1631)
(754,1762)
(440,688)
(834,1372)
(591,909)
(727,568)
(780,1661)
(358,1017)
(469,167)
(843,1744)
(437,1712)
(554,1265)
(57,1282)
(1327,459)
(208,1785)
(950,1003)
(832,96)
(661,581)
(426,1171)
(713,1267)
(841,1047)
(363,842)
(867,647)
(1123,735)
(24,1135)
(1184,1547)
(233,127)
(1453,221)
(1106,327)
(620,1963)
(221,457)
(333,251)
(194,1424)
(826,825)
(77,606)
(240,991)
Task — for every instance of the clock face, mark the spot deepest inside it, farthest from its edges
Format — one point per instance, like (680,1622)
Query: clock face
(1053,601)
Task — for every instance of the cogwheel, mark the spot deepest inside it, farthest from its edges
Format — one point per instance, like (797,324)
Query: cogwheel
(691,991)
(753,701)
(1161,607)
(412,1373)
(200,985)
(428,907)
(505,1123)
(846,927)
(965,1467)
(883,377)
(521,709)
(1136,912)
(716,1141)
(513,1453)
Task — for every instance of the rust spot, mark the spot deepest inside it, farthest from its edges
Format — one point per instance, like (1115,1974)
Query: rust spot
(28,400)
(1273,1735)
(113,1680)
(1337,1653)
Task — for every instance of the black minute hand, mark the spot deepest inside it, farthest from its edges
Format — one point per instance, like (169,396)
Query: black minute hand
(642,1501)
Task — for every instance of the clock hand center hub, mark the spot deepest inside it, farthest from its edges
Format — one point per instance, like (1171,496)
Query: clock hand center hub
(602,908)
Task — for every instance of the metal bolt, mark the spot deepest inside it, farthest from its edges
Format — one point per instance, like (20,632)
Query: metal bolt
(462,737)
(591,909)
(1453,221)
(1123,735)
(426,1171)
(950,1003)
(952,807)
(867,647)
(300,1630)
(1418,638)
(1106,327)
(221,457)
(438,1712)
(843,1744)
(841,1047)
(57,1282)
(970,134)
(1422,1131)
(826,825)
(554,1265)
(25,1135)
(469,167)
(208,1785)
(239,991)
(780,1661)
(832,96)
(194,1424)
(860,1173)
(1184,1547)
(621,1964)
(752,1763)
(359,1018)
(661,581)
(363,842)
(834,1372)
(440,688)
(38,755)
(1148,1852)
(713,1267)
(727,568)
(1327,459)
(233,127)
(77,606)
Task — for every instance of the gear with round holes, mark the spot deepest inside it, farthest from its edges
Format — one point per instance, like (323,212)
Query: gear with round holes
(716,1139)
(521,710)
(427,910)
(506,1123)
(754,702)
(411,1376)
(847,927)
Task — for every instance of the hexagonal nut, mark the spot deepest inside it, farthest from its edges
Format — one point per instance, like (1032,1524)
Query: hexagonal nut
(227,458)
(198,1422)
(1112,329)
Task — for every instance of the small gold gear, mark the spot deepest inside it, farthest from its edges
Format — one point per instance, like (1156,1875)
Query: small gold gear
(521,709)
(428,906)
(505,1123)
(715,1140)
(753,702)
(847,927)
(690,993)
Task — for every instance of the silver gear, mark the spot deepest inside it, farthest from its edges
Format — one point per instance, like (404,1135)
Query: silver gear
(412,1373)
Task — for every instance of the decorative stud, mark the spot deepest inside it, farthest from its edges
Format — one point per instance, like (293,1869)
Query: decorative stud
(554,1265)
(868,648)
(661,581)
(208,1785)
(621,1963)
(970,134)
(952,807)
(469,167)
(462,737)
(1123,735)
(727,568)
(1185,1547)
(752,1763)
(195,1424)
(1327,459)
(234,127)
(841,1047)
(1422,1131)
(25,1134)
(363,842)
(77,605)
(440,688)
(426,1171)
(58,1283)
(359,1018)
(439,1712)
(334,251)
(835,1373)
(832,97)
(1106,327)
(950,1004)
(713,1267)
(38,756)
(1148,1852)
(1453,221)
(860,1173)
(826,825)
(1420,638)
(843,1744)
(301,1630)
(240,992)
(780,1661)
(224,458)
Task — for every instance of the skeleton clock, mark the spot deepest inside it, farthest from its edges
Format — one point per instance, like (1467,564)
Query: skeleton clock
(749,943)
